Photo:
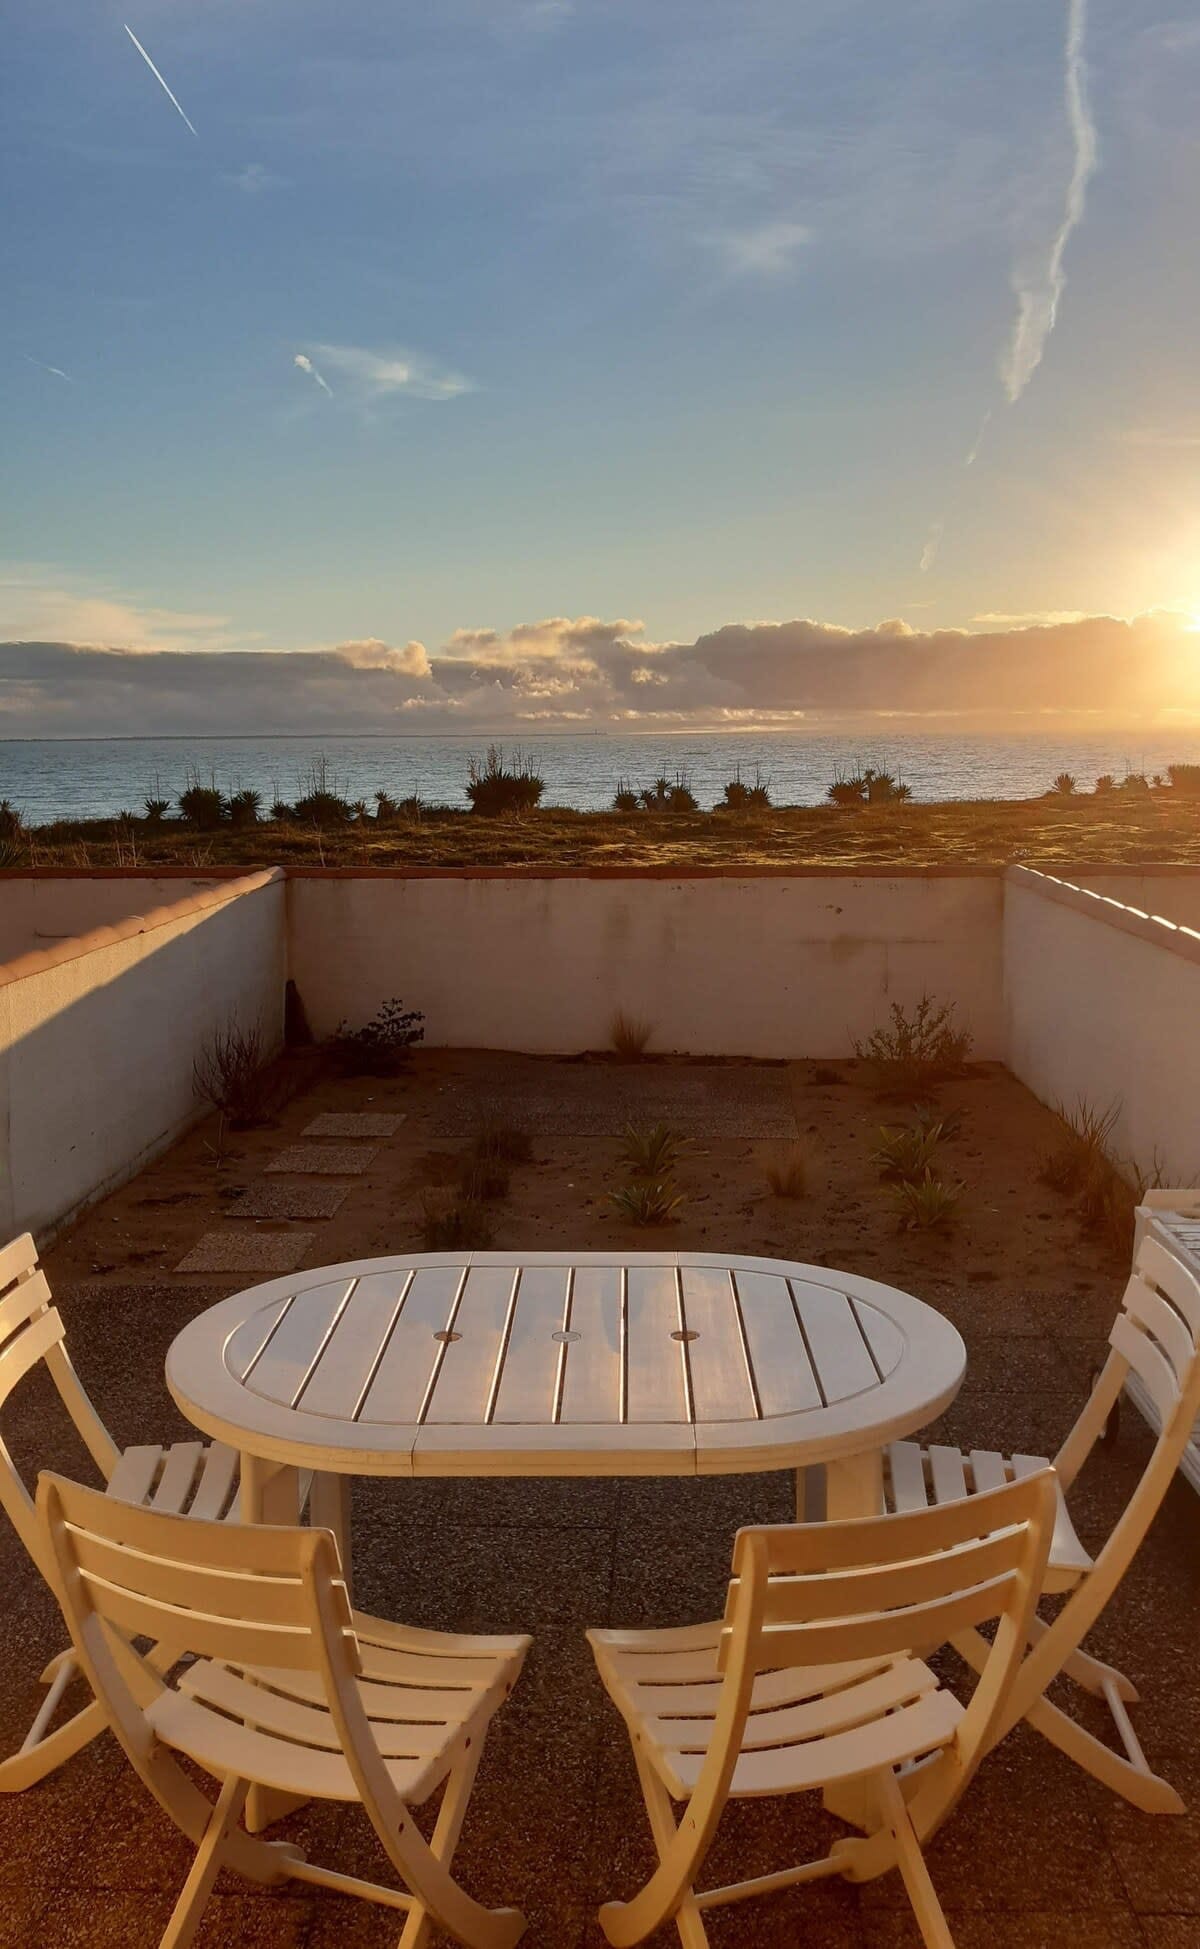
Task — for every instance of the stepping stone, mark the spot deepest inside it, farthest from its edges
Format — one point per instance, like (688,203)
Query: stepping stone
(324,1160)
(353,1123)
(247,1252)
(288,1201)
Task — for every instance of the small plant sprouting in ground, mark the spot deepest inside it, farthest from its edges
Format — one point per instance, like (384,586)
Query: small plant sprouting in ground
(495,787)
(905,1152)
(925,1204)
(650,1151)
(916,1051)
(647,1203)
(382,1045)
(950,1122)
(785,1167)
(231,1073)
(629,1035)
(463,1225)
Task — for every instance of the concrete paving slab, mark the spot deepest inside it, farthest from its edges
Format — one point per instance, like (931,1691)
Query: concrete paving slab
(247,1252)
(267,1200)
(324,1160)
(353,1123)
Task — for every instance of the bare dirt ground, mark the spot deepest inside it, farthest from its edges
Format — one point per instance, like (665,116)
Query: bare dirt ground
(1009,1232)
(1158,826)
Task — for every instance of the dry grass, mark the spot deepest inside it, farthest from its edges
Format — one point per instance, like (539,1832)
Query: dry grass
(629,1035)
(1159,827)
(785,1168)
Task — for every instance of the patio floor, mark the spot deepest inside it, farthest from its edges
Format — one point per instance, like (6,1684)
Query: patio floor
(1037,1857)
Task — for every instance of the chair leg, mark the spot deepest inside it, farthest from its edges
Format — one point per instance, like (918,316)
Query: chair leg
(687,1918)
(185,1919)
(446,1831)
(926,1907)
(41,1756)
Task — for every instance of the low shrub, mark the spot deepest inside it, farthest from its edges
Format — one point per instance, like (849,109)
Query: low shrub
(203,806)
(1082,1148)
(785,1168)
(244,808)
(155,810)
(11,822)
(625,798)
(1063,786)
(500,1141)
(381,1046)
(669,795)
(462,1225)
(1185,779)
(906,1151)
(231,1073)
(482,1179)
(495,787)
(918,1051)
(740,797)
(629,1035)
(646,1203)
(323,809)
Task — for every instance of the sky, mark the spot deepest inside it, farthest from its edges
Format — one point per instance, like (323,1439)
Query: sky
(589,362)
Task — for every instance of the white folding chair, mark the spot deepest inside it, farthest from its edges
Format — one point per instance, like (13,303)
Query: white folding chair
(290,1689)
(187,1476)
(810,1681)
(1156,1336)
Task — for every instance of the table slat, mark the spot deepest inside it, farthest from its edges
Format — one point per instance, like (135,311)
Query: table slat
(468,1371)
(281,1372)
(403,1374)
(840,1355)
(248,1342)
(783,1372)
(530,1373)
(887,1343)
(720,1381)
(338,1381)
(654,1377)
(592,1369)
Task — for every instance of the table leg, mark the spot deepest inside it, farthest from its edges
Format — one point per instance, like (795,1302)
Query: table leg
(329,1508)
(810,1495)
(853,1487)
(270,1493)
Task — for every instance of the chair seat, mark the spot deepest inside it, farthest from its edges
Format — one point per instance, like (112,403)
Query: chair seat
(185,1479)
(427,1695)
(808,1726)
(916,1478)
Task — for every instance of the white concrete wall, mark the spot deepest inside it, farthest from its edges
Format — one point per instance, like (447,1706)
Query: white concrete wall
(1176,896)
(98,1036)
(37,911)
(1103,1004)
(777,965)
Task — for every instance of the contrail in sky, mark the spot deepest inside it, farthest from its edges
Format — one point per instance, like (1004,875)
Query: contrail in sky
(306,365)
(933,543)
(55,369)
(1038,292)
(154,71)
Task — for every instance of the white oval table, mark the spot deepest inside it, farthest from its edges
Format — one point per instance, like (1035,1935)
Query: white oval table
(490,1363)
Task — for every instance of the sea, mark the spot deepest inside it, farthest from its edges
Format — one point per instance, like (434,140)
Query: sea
(80,778)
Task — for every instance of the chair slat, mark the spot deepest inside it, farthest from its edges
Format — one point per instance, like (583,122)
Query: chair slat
(1163,1269)
(849,1593)
(988,1470)
(16,1258)
(916,1729)
(896,1685)
(217,1480)
(907,1464)
(206,1635)
(1151,1366)
(133,1477)
(792,1548)
(1168,1327)
(192,1587)
(256,1705)
(26,1299)
(29,1346)
(949,1475)
(887,1634)
(179,1473)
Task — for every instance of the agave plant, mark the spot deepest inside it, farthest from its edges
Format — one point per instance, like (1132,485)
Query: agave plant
(905,1152)
(651,1150)
(647,1203)
(925,1204)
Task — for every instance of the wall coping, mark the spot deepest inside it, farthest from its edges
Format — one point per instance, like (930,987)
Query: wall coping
(76,946)
(1153,928)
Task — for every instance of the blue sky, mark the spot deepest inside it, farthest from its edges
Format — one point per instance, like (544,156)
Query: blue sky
(680,313)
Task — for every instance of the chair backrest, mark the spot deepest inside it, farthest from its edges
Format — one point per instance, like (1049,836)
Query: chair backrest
(247,1595)
(31,1330)
(814,1594)
(1156,1335)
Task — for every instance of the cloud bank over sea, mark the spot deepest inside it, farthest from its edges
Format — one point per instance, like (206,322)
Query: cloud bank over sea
(565,673)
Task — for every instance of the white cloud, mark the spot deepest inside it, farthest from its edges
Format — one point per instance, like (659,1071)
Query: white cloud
(38,603)
(768,249)
(255,179)
(1039,281)
(933,542)
(305,364)
(372,376)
